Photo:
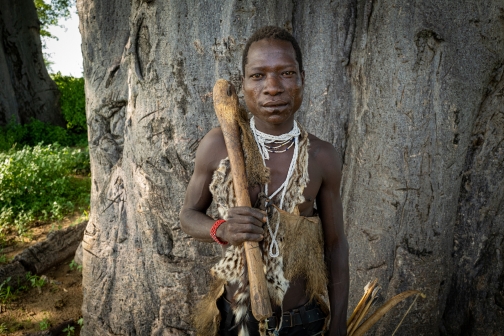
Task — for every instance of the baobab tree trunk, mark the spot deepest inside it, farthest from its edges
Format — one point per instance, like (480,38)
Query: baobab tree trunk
(26,91)
(424,161)
(411,94)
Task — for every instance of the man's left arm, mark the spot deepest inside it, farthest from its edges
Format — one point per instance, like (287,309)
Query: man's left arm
(335,242)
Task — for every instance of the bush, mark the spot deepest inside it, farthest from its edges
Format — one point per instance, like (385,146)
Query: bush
(39,184)
(72,101)
(39,181)
(36,132)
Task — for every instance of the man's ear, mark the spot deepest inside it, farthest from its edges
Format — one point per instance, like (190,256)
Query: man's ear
(302,77)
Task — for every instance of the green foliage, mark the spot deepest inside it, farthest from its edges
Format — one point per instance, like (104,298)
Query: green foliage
(69,330)
(44,324)
(6,294)
(82,218)
(80,321)
(35,280)
(73,265)
(37,184)
(3,258)
(50,13)
(72,101)
(36,132)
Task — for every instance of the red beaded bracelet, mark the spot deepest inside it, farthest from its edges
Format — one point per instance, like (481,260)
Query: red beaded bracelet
(213,231)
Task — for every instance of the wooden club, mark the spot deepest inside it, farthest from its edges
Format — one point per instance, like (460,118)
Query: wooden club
(226,108)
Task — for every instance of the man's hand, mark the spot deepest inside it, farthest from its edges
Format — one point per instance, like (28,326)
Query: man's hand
(243,224)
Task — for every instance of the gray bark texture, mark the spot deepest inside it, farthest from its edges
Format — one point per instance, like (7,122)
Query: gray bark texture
(26,91)
(411,93)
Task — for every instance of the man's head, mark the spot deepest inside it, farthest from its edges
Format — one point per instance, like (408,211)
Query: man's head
(273,81)
(272,32)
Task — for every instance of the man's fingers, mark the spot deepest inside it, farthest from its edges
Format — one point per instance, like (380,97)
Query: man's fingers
(237,228)
(239,238)
(249,228)
(246,220)
(248,212)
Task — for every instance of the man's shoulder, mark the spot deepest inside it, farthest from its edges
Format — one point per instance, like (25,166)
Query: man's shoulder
(211,149)
(214,138)
(319,147)
(324,154)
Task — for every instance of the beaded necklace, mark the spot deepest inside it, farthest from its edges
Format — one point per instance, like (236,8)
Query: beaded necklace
(274,149)
(264,141)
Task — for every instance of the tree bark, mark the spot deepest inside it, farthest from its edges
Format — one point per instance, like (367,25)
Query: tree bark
(411,94)
(27,90)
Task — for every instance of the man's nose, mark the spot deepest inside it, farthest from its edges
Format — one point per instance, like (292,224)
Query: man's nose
(273,85)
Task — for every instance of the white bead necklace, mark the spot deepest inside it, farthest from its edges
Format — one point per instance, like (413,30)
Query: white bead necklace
(263,140)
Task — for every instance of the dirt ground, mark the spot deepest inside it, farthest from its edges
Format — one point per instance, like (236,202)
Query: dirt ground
(58,301)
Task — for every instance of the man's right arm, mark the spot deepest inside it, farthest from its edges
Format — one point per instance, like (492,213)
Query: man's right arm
(243,223)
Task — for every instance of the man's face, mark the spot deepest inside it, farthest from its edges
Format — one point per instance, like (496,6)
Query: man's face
(273,84)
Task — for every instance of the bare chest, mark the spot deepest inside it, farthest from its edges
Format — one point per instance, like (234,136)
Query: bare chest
(279,167)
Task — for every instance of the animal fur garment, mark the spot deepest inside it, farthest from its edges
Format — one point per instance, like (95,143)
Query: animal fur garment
(300,242)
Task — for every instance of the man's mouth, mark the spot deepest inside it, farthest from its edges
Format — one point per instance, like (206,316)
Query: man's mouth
(275,103)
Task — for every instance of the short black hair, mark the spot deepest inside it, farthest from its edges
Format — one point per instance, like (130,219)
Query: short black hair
(272,32)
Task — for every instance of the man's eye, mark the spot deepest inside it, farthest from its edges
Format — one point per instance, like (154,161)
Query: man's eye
(256,76)
(289,73)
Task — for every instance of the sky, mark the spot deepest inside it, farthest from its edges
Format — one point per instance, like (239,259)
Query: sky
(65,52)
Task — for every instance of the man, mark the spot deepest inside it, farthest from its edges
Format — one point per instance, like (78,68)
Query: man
(301,170)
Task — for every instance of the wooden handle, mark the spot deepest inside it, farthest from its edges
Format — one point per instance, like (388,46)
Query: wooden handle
(226,108)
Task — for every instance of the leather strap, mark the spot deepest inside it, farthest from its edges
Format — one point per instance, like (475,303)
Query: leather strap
(295,317)
(303,315)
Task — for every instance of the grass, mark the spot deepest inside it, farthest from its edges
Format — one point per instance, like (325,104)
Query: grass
(9,294)
(35,280)
(44,324)
(69,330)
(12,325)
(4,259)
(6,292)
(74,266)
